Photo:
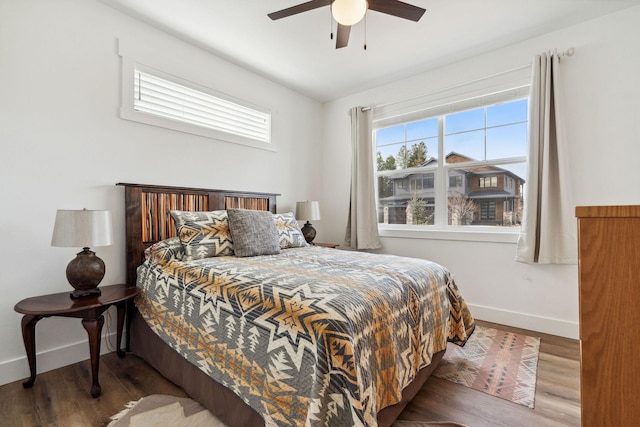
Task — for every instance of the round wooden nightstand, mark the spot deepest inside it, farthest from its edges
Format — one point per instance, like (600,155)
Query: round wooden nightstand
(88,309)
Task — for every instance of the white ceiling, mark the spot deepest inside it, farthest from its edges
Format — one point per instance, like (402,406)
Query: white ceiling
(298,53)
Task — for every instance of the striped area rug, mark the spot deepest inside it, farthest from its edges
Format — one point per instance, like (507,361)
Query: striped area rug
(499,363)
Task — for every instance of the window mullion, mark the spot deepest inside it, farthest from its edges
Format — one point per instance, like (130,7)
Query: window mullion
(485,133)
(441,181)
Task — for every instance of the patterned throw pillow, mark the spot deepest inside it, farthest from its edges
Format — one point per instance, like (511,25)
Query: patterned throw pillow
(254,232)
(203,234)
(289,233)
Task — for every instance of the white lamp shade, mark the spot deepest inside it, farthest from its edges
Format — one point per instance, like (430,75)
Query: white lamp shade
(82,228)
(308,210)
(348,12)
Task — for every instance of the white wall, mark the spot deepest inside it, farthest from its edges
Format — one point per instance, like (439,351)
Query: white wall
(602,126)
(63,146)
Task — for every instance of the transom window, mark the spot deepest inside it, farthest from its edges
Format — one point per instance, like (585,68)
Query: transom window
(177,101)
(158,98)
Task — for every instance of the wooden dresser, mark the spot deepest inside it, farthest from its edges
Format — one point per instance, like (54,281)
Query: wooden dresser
(609,282)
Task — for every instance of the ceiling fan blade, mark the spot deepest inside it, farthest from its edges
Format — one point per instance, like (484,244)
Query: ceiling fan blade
(343,36)
(397,8)
(294,10)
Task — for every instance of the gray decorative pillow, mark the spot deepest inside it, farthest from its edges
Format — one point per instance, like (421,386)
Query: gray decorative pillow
(253,232)
(289,233)
(203,234)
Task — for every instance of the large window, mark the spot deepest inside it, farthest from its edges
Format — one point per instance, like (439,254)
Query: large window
(465,167)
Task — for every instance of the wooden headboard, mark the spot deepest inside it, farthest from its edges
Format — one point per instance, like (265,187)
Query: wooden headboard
(147,213)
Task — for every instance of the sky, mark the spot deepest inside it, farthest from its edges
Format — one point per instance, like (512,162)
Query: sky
(504,136)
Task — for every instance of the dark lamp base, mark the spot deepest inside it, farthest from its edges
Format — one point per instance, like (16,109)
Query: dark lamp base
(84,273)
(79,293)
(309,232)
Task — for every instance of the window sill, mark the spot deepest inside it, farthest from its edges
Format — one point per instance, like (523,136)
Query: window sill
(477,234)
(128,113)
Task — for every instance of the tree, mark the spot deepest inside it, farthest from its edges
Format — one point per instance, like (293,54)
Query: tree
(402,159)
(379,161)
(385,165)
(385,185)
(417,210)
(412,158)
(390,163)
(418,155)
(460,208)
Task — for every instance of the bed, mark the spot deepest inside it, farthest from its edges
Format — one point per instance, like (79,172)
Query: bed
(288,335)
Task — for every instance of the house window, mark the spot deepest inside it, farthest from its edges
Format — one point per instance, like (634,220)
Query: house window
(428,181)
(421,182)
(416,183)
(484,146)
(488,181)
(455,181)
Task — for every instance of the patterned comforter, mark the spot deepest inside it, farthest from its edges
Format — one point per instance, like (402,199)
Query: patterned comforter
(312,336)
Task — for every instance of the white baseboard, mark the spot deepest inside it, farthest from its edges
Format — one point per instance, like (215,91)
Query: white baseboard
(546,325)
(48,360)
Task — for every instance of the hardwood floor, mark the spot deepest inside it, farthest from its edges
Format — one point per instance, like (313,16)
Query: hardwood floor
(557,401)
(61,397)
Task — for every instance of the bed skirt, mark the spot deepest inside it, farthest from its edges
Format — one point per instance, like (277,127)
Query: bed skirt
(221,401)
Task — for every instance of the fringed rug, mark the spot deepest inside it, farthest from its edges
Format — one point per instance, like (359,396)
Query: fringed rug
(159,410)
(498,363)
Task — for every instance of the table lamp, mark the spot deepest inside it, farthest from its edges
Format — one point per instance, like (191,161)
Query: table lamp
(309,211)
(83,228)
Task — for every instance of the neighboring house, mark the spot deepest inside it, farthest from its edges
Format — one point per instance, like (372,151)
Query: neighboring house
(478,195)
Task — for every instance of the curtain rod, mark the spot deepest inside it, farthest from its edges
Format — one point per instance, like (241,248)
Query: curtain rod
(568,52)
(522,67)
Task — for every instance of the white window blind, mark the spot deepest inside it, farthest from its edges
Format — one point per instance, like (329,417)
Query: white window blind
(171,100)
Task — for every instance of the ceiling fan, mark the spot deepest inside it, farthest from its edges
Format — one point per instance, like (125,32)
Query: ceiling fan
(350,12)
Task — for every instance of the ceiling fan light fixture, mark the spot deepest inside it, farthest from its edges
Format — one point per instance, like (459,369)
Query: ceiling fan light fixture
(348,12)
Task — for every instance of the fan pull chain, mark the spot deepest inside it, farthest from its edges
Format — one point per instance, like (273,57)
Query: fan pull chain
(331,23)
(365,30)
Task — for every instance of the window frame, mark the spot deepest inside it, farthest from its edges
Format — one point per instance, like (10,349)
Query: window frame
(441,230)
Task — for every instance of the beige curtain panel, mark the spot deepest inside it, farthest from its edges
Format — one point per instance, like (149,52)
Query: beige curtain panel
(548,234)
(362,223)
